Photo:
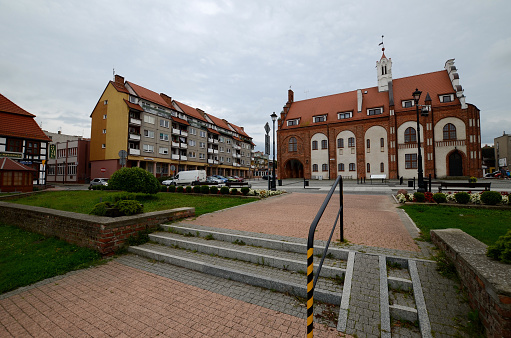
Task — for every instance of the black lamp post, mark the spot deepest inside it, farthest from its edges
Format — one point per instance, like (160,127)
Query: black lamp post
(273,183)
(416,96)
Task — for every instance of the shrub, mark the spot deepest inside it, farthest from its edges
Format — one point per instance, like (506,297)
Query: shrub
(213,190)
(100,209)
(129,207)
(172,188)
(224,190)
(164,188)
(180,188)
(419,197)
(491,197)
(188,189)
(245,191)
(204,189)
(439,197)
(196,189)
(428,196)
(234,191)
(462,197)
(124,196)
(472,180)
(134,180)
(501,250)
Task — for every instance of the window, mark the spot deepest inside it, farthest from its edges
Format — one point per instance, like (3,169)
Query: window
(228,141)
(228,150)
(321,118)
(292,144)
(324,144)
(449,132)
(164,123)
(340,167)
(342,116)
(149,119)
(446,98)
(202,133)
(368,143)
(14,145)
(61,153)
(221,149)
(148,133)
(411,161)
(410,136)
(148,148)
(294,122)
(193,131)
(192,154)
(220,139)
(133,99)
(32,148)
(314,145)
(324,167)
(103,146)
(382,167)
(60,169)
(340,143)
(407,104)
(315,167)
(104,131)
(368,167)
(192,143)
(164,137)
(374,111)
(352,166)
(105,102)
(51,169)
(71,168)
(351,142)
(382,142)
(104,117)
(202,145)
(163,150)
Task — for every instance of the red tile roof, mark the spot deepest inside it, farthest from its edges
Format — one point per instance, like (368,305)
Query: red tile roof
(178,120)
(8,164)
(213,131)
(190,111)
(148,95)
(119,87)
(8,106)
(133,106)
(239,130)
(219,122)
(435,84)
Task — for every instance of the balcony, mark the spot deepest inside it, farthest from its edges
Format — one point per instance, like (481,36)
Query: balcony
(183,146)
(135,152)
(184,133)
(134,137)
(135,122)
(236,147)
(236,164)
(176,131)
(215,141)
(175,144)
(252,167)
(184,158)
(175,156)
(210,140)
(210,151)
(210,161)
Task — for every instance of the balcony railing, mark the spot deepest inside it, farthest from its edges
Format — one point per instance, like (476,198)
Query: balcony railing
(135,152)
(236,147)
(134,137)
(210,140)
(175,157)
(183,133)
(175,144)
(184,158)
(210,151)
(176,131)
(215,141)
(135,122)
(183,146)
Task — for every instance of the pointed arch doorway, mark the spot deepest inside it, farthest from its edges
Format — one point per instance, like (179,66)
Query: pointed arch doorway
(293,169)
(455,164)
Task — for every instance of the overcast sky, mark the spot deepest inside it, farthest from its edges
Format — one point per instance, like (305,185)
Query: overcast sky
(237,59)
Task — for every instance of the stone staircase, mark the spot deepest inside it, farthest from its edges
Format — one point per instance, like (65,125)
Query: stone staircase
(369,290)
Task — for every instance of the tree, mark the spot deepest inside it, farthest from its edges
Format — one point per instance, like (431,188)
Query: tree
(134,180)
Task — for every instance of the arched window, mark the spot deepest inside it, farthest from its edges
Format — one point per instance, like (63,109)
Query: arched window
(324,144)
(410,136)
(314,167)
(382,142)
(449,132)
(368,167)
(368,141)
(292,144)
(340,167)
(352,166)
(382,167)
(324,167)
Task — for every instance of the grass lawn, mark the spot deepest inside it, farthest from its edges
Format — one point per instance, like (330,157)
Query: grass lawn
(487,225)
(83,201)
(26,257)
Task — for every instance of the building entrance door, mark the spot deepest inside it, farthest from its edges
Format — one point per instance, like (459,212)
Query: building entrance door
(455,164)
(293,169)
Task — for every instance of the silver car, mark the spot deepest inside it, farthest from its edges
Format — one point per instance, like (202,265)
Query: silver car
(98,181)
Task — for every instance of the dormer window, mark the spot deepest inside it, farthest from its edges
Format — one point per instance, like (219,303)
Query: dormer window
(346,115)
(407,103)
(133,99)
(375,111)
(293,122)
(446,98)
(320,118)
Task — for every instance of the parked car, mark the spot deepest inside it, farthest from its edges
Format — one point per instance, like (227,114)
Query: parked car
(167,182)
(231,179)
(220,177)
(98,181)
(213,180)
(240,179)
(188,177)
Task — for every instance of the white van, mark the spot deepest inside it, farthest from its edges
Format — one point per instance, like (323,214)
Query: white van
(190,177)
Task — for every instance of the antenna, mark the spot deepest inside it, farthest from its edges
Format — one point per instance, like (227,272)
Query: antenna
(113,71)
(381,44)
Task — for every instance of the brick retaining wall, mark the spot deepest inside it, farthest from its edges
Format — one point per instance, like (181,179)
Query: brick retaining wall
(103,234)
(487,282)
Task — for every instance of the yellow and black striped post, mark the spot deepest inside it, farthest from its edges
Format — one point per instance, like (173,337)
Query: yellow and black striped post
(310,292)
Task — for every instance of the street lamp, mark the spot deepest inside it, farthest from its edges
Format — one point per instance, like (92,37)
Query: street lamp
(273,184)
(416,96)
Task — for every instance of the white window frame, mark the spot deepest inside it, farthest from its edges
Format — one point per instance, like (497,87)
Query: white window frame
(293,122)
(319,118)
(369,110)
(163,150)
(148,133)
(164,137)
(148,148)
(344,115)
(149,119)
(164,123)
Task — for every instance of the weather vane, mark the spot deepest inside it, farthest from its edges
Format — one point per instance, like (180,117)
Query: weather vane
(381,44)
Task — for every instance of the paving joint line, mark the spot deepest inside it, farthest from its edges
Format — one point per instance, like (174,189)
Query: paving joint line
(346,294)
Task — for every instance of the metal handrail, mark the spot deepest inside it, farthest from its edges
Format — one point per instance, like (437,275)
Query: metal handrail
(311,279)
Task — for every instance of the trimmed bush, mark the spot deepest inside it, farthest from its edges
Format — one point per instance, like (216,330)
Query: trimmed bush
(234,191)
(462,197)
(439,197)
(245,191)
(164,188)
(196,189)
(472,179)
(204,189)
(213,190)
(188,189)
(428,197)
(129,207)
(134,180)
(501,250)
(419,196)
(491,197)
(180,188)
(172,188)
(224,190)
(100,209)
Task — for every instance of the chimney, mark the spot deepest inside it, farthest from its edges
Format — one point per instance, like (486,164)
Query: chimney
(59,132)
(119,79)
(359,100)
(290,96)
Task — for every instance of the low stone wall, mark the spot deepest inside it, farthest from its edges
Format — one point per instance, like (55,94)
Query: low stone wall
(488,282)
(103,234)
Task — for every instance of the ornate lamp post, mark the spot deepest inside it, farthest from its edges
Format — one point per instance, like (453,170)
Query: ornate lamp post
(273,183)
(416,96)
